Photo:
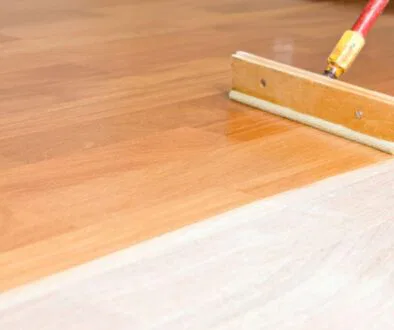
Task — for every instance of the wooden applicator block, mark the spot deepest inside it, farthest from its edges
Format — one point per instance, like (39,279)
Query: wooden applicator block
(333,106)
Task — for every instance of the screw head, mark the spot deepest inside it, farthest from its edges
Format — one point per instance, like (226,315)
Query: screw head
(359,114)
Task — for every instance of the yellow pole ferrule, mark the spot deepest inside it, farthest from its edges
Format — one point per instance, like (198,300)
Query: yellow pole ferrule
(345,52)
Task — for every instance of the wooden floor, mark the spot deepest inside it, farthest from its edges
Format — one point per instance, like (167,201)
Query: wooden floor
(320,257)
(116,126)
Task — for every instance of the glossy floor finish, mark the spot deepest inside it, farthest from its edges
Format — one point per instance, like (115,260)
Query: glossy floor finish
(116,126)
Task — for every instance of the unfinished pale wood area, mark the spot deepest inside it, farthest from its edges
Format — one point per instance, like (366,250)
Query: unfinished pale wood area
(116,126)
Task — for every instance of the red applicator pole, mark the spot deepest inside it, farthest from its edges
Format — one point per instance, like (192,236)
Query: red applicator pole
(353,41)
(370,14)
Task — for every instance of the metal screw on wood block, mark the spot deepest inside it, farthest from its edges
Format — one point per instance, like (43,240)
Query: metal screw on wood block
(359,114)
(263,83)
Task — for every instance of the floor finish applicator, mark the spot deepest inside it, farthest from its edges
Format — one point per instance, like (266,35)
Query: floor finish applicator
(321,101)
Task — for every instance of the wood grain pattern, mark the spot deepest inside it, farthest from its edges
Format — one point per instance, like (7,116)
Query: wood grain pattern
(116,126)
(314,258)
(315,95)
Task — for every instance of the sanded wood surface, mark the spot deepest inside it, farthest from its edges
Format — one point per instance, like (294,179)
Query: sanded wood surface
(116,124)
(359,109)
(315,258)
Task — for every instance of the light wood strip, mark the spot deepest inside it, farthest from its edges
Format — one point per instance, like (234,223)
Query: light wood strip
(315,100)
